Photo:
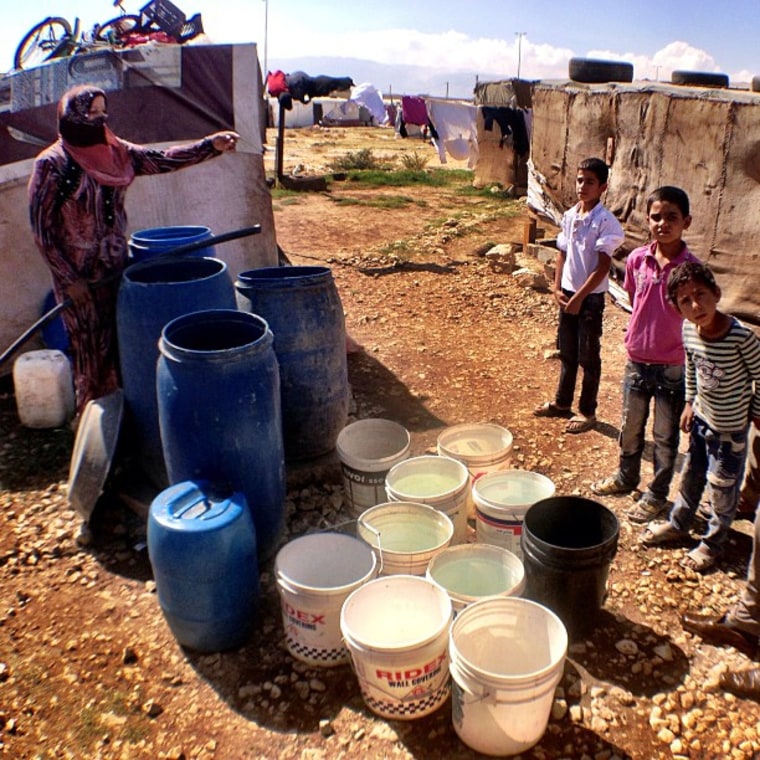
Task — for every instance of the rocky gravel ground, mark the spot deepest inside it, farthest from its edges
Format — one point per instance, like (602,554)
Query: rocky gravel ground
(89,668)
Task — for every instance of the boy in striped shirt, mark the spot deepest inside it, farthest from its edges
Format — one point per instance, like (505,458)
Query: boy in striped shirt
(722,381)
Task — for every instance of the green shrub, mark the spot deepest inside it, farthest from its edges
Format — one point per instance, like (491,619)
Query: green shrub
(360,159)
(414,161)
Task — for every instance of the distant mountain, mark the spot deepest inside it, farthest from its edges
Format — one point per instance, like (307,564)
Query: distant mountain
(390,79)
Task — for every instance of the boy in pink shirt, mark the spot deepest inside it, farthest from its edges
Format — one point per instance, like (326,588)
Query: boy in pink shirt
(655,366)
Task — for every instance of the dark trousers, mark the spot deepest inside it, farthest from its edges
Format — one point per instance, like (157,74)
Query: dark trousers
(579,339)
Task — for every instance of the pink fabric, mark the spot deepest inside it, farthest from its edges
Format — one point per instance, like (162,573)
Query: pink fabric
(654,330)
(107,163)
(414,111)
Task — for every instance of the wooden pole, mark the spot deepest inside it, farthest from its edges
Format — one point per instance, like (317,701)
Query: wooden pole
(279,145)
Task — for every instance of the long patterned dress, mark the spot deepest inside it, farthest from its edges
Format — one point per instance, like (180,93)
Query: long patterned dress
(79,226)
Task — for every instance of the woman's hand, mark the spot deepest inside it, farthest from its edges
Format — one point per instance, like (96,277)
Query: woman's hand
(224,141)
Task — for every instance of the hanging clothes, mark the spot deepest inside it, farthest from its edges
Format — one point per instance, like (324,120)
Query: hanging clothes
(511,121)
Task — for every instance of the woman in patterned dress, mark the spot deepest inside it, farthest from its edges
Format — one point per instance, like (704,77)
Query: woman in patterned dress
(76,204)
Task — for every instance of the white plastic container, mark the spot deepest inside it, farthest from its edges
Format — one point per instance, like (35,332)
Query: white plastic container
(441,482)
(315,574)
(396,629)
(507,657)
(481,447)
(470,572)
(404,535)
(501,501)
(367,449)
(44,388)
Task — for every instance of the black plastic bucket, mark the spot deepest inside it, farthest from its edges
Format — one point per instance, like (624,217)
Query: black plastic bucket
(568,543)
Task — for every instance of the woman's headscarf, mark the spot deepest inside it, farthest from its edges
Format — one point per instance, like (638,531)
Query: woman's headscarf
(89,141)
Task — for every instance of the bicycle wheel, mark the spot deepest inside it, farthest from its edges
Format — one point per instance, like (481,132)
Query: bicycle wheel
(42,42)
(116,29)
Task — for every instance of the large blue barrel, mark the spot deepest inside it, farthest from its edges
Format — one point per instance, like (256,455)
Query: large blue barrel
(303,309)
(202,548)
(219,411)
(152,293)
(145,244)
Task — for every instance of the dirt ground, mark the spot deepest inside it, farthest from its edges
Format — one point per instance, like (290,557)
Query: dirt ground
(88,666)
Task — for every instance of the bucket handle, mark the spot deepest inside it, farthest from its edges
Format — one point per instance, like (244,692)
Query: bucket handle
(356,522)
(377,533)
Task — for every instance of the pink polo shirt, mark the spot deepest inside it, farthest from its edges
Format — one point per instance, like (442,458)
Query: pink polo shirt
(654,330)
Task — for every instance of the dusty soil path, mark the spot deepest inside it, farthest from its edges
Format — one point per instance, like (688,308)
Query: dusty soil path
(88,667)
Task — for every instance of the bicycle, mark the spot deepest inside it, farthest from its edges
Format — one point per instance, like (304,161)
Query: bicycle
(54,37)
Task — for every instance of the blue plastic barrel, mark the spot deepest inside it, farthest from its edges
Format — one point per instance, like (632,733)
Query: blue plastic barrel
(304,312)
(54,333)
(145,244)
(152,293)
(219,411)
(202,548)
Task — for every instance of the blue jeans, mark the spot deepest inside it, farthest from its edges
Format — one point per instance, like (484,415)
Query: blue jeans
(716,459)
(579,341)
(641,384)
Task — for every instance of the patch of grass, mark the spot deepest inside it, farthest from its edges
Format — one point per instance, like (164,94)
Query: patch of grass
(282,194)
(387,202)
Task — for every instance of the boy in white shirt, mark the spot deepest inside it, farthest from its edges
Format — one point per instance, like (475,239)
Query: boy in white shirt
(589,236)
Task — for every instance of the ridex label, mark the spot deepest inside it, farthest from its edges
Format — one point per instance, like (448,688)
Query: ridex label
(302,618)
(412,676)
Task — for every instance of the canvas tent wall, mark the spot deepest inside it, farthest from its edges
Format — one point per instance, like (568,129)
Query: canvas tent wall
(498,163)
(706,141)
(160,95)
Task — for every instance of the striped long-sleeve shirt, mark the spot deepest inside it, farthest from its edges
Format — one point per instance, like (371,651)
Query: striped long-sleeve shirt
(723,376)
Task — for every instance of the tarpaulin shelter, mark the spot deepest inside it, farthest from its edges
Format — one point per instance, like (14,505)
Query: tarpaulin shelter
(704,140)
(159,94)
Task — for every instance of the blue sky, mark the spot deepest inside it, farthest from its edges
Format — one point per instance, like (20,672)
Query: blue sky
(461,39)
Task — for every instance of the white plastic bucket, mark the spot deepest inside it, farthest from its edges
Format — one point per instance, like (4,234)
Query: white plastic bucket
(367,449)
(471,571)
(396,630)
(441,482)
(507,657)
(501,501)
(405,535)
(481,447)
(315,574)
(44,388)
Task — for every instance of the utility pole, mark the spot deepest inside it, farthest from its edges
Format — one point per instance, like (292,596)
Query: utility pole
(519,36)
(266,24)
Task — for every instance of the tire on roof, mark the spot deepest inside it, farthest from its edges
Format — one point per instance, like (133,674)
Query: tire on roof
(593,71)
(699,78)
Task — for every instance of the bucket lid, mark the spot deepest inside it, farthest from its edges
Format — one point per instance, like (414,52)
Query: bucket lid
(94,448)
(477,443)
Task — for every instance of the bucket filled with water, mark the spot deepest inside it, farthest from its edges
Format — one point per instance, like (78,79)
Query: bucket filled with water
(469,572)
(507,657)
(501,501)
(396,630)
(441,482)
(315,574)
(405,535)
(481,447)
(367,449)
